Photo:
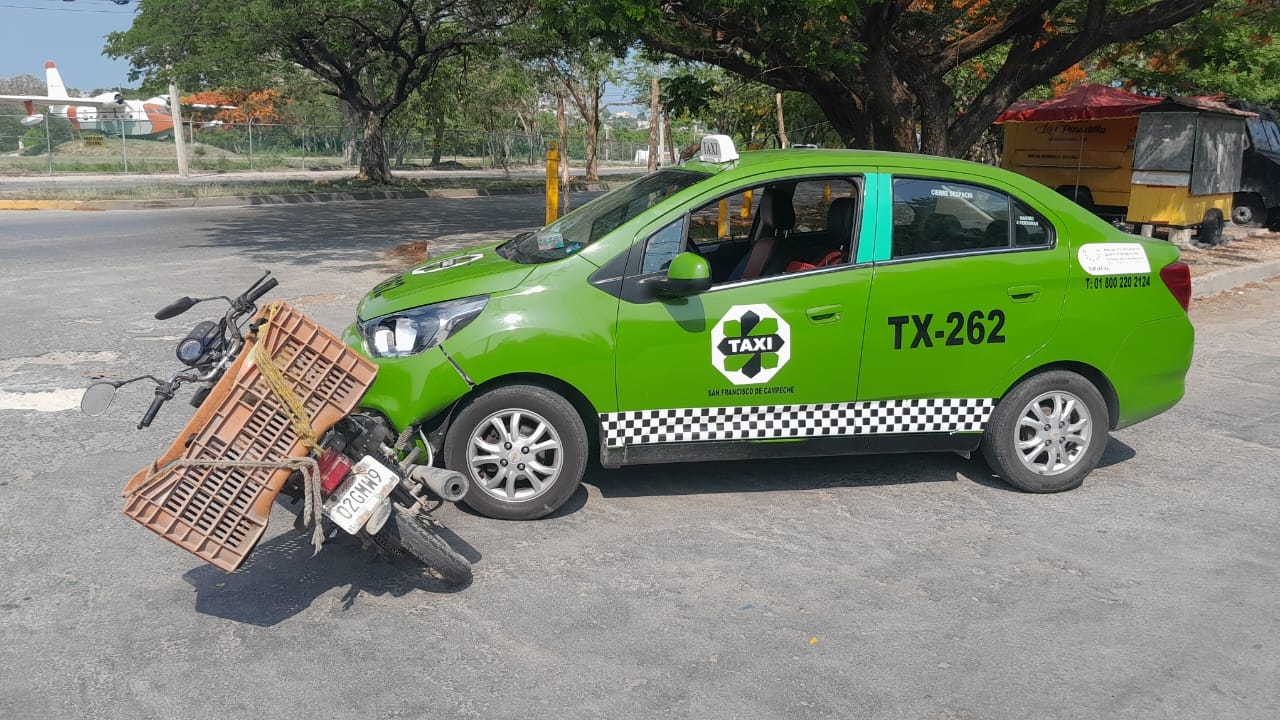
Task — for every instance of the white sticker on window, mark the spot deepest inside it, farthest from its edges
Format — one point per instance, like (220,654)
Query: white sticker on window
(1113,258)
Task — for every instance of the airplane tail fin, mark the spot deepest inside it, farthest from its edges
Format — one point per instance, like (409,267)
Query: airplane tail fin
(54,81)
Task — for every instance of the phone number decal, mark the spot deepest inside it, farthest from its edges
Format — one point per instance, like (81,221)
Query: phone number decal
(1112,282)
(973,328)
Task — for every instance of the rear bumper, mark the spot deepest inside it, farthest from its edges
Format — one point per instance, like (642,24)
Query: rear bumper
(1150,370)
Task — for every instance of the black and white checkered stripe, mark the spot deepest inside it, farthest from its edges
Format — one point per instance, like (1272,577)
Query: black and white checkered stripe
(760,422)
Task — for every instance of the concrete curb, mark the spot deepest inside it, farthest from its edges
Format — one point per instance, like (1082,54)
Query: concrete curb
(1227,279)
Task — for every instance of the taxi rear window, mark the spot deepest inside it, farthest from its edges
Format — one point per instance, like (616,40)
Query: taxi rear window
(933,217)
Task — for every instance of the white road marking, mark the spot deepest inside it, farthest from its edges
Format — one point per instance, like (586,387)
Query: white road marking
(47,401)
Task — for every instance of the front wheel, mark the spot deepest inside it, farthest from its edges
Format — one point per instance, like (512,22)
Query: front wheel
(524,449)
(1047,433)
(406,534)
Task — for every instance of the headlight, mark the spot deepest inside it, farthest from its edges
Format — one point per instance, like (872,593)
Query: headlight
(412,331)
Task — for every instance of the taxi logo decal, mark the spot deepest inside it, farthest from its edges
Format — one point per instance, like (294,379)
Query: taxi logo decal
(447,263)
(750,344)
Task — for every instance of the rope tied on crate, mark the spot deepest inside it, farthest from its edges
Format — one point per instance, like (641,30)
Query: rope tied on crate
(299,418)
(308,466)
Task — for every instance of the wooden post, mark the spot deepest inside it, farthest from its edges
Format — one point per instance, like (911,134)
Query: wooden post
(553,182)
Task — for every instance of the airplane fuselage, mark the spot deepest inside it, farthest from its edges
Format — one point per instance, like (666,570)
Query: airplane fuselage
(131,118)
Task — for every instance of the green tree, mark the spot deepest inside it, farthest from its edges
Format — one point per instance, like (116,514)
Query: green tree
(1230,50)
(370,54)
(878,68)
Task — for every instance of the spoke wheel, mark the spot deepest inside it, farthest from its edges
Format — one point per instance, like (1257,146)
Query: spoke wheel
(1054,433)
(1047,433)
(523,447)
(515,454)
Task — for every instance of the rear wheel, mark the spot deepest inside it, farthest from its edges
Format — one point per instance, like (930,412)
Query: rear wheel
(1247,210)
(406,534)
(1081,196)
(524,449)
(1047,433)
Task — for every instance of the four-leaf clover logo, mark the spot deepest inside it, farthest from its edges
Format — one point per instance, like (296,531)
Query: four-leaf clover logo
(750,344)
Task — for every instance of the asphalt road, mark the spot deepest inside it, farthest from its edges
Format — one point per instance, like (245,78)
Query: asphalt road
(908,586)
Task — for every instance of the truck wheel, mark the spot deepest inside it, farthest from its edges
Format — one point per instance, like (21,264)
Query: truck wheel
(1047,433)
(1247,210)
(1081,196)
(523,447)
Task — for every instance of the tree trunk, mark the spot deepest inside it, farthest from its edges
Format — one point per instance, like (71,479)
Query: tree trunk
(437,141)
(653,125)
(350,126)
(564,155)
(670,149)
(782,124)
(374,165)
(593,130)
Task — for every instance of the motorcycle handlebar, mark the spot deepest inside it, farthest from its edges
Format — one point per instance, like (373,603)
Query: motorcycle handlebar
(151,411)
(257,292)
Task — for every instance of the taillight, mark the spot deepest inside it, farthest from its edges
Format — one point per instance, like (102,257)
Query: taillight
(334,468)
(1177,277)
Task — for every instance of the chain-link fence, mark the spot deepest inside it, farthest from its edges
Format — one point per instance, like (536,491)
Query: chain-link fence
(53,146)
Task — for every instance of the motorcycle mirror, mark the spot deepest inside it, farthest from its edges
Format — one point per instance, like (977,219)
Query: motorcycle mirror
(97,398)
(176,308)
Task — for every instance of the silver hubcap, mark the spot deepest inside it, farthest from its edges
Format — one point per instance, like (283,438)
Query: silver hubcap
(515,455)
(1053,433)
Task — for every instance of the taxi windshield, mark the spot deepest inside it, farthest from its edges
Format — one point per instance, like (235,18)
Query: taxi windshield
(597,218)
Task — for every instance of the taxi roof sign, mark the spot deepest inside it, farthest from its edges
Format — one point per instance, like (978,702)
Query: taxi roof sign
(718,149)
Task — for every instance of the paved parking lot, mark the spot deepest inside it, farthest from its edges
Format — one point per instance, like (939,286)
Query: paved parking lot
(912,586)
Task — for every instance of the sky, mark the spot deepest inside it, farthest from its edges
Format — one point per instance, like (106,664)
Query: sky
(70,33)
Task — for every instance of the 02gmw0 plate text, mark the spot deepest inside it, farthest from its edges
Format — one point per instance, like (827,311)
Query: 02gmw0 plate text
(774,304)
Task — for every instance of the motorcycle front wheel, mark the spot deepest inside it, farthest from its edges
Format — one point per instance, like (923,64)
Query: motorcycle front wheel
(406,534)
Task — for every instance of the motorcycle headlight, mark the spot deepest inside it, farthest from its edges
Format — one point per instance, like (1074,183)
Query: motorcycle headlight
(412,331)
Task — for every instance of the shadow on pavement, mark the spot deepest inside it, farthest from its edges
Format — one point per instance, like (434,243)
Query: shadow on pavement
(355,234)
(746,476)
(281,579)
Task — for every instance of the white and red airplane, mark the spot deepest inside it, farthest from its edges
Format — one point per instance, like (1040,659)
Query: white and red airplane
(109,113)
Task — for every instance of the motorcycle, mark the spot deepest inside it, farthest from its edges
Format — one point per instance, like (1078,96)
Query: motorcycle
(276,398)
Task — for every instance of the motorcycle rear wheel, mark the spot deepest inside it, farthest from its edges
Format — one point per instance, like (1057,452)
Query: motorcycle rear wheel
(404,533)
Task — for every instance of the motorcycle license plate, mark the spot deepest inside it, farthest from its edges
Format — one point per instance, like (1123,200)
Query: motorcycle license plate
(360,494)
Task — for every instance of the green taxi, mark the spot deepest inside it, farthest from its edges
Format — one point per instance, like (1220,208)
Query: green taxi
(782,304)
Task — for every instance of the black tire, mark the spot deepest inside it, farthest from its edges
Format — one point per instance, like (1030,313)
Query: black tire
(1030,399)
(1248,211)
(507,488)
(405,533)
(1210,232)
(1081,196)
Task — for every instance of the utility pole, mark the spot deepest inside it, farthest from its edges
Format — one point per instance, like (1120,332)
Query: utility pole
(179,141)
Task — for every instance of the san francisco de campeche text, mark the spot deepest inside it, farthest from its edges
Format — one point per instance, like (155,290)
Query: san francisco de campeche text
(775,390)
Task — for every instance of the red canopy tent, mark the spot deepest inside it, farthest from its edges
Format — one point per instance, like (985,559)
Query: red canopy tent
(1082,102)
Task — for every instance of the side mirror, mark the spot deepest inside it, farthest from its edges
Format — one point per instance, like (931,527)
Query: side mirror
(97,398)
(175,308)
(688,274)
